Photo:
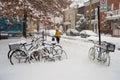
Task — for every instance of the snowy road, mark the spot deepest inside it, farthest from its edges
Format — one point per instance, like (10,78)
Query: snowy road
(76,67)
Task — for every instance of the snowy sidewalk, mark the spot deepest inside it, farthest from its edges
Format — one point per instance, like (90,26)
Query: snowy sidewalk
(113,40)
(76,67)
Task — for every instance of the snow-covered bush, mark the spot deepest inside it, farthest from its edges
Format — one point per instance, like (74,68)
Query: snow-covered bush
(82,23)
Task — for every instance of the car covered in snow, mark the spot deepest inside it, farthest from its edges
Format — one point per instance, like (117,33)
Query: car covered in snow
(87,33)
(72,32)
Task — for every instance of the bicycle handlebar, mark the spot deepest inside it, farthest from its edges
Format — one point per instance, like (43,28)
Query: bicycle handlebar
(107,46)
(102,43)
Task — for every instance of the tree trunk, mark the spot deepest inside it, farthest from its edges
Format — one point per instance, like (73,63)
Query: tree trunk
(25,25)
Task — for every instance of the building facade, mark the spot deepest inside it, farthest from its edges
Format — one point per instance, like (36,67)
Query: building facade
(70,18)
(91,14)
(111,18)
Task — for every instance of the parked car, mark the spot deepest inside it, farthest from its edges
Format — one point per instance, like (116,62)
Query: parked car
(87,33)
(72,32)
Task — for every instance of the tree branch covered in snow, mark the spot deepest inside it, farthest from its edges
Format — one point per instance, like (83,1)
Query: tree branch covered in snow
(32,7)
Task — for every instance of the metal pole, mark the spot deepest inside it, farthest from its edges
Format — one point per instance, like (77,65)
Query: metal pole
(90,14)
(99,31)
(99,25)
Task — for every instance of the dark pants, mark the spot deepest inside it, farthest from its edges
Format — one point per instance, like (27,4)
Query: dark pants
(58,39)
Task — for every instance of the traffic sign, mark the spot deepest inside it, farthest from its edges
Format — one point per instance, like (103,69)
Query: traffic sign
(103,2)
(103,5)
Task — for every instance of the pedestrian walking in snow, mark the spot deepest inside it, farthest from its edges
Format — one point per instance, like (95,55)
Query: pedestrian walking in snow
(57,35)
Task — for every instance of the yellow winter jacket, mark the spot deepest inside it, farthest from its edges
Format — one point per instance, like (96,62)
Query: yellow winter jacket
(57,34)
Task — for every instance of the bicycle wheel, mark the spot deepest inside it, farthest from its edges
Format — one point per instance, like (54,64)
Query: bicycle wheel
(9,53)
(34,56)
(91,53)
(61,54)
(106,59)
(48,54)
(18,56)
(45,49)
(56,47)
(42,54)
(50,50)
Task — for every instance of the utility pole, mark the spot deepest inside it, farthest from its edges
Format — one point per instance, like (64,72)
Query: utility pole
(99,25)
(90,27)
(54,21)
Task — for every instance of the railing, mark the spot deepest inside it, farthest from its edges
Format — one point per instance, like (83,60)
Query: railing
(113,12)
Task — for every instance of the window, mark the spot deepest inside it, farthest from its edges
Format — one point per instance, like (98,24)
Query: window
(112,6)
(119,5)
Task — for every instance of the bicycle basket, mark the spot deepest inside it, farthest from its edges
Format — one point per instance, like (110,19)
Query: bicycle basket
(14,46)
(110,47)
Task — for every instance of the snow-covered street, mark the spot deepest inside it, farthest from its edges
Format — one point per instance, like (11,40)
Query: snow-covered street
(76,67)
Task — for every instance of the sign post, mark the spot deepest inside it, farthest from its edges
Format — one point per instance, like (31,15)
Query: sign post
(99,25)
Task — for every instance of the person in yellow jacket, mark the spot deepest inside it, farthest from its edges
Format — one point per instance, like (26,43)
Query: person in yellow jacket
(57,35)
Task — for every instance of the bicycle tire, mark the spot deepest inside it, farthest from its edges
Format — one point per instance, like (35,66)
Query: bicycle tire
(9,53)
(56,47)
(50,50)
(61,54)
(35,56)
(48,54)
(91,53)
(46,50)
(42,53)
(106,59)
(18,55)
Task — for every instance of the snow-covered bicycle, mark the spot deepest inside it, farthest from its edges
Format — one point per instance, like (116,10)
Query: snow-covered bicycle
(23,52)
(37,50)
(53,52)
(101,52)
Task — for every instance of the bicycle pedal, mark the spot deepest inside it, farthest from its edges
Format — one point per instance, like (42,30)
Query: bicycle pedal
(99,59)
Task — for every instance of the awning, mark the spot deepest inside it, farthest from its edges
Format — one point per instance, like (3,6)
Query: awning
(112,17)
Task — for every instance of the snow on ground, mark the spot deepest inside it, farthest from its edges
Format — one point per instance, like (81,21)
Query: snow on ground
(76,67)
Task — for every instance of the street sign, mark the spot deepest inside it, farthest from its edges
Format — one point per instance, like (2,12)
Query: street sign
(102,2)
(103,5)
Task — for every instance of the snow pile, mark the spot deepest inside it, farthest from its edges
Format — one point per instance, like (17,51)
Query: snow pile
(88,32)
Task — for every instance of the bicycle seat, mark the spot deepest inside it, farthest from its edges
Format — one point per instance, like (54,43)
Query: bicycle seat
(53,44)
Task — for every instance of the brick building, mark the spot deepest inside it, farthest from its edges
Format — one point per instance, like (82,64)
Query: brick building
(70,17)
(111,18)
